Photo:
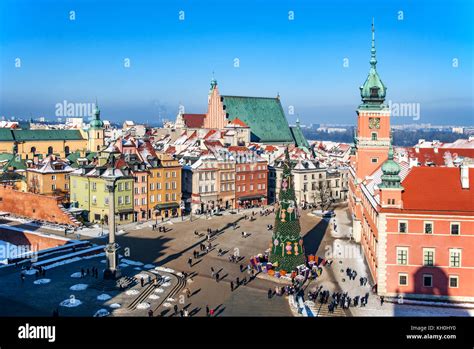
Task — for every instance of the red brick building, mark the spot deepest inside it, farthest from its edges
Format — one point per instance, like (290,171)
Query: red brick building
(251,179)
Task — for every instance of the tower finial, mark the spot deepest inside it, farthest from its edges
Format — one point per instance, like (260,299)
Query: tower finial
(373,59)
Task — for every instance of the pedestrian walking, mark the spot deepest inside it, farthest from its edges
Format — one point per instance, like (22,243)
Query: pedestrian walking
(142,282)
(175,308)
(382,299)
(207,310)
(150,313)
(270,292)
(231,286)
(217,277)
(190,262)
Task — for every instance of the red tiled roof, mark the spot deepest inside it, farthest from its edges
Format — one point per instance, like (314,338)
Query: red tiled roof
(170,150)
(270,148)
(238,122)
(194,120)
(437,189)
(427,155)
(237,148)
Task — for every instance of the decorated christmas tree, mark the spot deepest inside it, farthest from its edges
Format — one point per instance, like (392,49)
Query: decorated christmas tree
(287,251)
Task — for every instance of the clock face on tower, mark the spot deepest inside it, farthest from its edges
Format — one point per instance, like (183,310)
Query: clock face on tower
(374,123)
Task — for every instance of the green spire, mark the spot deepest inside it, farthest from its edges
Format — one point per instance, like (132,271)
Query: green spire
(373,90)
(96,121)
(390,170)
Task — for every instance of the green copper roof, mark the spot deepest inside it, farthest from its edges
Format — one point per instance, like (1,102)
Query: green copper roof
(373,90)
(390,170)
(39,135)
(264,116)
(96,121)
(300,140)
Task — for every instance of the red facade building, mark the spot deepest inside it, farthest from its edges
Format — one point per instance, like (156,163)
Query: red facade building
(413,219)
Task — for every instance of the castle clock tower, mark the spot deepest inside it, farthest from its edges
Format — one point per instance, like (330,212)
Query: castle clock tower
(372,139)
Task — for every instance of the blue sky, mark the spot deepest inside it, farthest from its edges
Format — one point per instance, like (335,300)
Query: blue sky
(172,61)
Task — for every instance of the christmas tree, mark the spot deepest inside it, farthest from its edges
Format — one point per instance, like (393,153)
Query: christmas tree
(287,251)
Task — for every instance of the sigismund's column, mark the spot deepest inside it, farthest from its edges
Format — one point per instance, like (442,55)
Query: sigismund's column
(112,270)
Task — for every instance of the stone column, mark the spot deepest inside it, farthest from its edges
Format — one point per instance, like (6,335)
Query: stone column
(112,270)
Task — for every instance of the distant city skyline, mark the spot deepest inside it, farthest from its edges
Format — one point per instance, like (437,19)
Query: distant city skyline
(47,58)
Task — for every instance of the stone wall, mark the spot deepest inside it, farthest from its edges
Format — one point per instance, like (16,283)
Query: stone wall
(34,206)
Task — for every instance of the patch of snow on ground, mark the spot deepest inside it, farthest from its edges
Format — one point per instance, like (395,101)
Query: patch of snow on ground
(148,266)
(42,281)
(166,284)
(131,292)
(78,287)
(103,297)
(141,276)
(76,275)
(154,296)
(128,261)
(101,313)
(143,305)
(159,290)
(170,299)
(168,270)
(167,305)
(70,303)
(115,305)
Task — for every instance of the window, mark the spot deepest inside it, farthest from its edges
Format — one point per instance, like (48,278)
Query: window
(158,197)
(374,136)
(127,199)
(453,281)
(53,177)
(403,279)
(173,196)
(427,280)
(374,160)
(402,227)
(152,198)
(94,186)
(455,228)
(402,255)
(428,228)
(454,257)
(167,197)
(143,190)
(50,150)
(167,185)
(120,186)
(120,200)
(127,186)
(158,186)
(94,200)
(136,202)
(143,201)
(136,191)
(152,186)
(428,257)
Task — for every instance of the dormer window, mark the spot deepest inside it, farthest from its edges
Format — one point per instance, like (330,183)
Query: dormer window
(374,92)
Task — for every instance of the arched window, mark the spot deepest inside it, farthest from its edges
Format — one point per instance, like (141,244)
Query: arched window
(98,147)
(33,150)
(50,150)
(66,150)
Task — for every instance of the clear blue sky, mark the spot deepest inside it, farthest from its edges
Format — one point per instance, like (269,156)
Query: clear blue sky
(172,61)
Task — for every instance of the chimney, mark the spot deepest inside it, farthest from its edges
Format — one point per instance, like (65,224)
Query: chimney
(464,176)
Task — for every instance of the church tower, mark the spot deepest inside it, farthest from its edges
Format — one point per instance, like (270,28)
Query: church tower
(372,139)
(96,131)
(215,117)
